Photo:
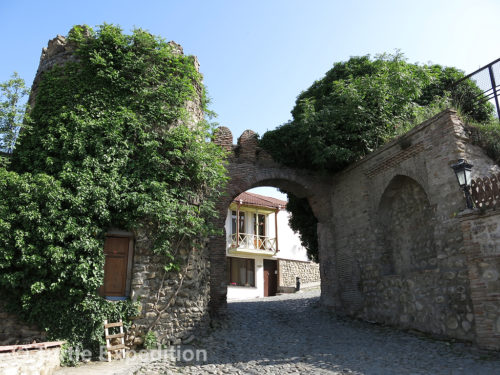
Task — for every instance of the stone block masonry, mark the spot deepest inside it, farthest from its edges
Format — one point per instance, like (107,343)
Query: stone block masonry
(13,331)
(187,293)
(289,270)
(397,247)
(30,359)
(482,245)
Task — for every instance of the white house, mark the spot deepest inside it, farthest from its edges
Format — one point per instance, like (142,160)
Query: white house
(264,255)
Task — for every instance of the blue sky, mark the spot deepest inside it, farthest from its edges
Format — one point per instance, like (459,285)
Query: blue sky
(257,56)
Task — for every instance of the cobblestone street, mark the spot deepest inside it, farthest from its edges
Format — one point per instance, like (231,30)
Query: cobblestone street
(292,334)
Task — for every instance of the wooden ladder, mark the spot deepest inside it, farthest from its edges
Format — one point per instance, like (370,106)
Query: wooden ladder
(112,348)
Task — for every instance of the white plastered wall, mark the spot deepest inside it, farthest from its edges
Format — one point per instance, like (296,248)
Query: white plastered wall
(288,244)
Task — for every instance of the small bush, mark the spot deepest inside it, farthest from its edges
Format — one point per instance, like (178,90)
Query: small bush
(150,340)
(487,136)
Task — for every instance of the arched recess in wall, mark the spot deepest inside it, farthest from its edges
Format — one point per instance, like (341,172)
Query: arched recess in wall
(406,222)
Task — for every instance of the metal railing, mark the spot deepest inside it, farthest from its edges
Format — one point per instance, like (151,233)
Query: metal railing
(249,241)
(480,86)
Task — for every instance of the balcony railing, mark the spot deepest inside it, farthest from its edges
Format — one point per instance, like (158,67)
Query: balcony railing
(248,241)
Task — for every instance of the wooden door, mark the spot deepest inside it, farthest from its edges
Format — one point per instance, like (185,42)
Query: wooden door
(116,251)
(270,278)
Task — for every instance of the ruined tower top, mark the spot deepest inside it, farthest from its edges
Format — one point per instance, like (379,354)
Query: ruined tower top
(60,51)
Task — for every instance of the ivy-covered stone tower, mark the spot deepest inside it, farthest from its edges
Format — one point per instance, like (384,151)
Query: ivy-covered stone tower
(122,185)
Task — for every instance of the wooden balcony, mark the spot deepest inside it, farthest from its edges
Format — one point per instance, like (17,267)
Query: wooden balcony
(253,244)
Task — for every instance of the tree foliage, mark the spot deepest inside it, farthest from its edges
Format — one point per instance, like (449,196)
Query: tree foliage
(111,144)
(12,111)
(359,105)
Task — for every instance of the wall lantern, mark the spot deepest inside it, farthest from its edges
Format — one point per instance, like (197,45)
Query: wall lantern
(462,171)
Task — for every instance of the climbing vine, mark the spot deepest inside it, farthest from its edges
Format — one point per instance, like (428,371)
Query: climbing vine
(110,144)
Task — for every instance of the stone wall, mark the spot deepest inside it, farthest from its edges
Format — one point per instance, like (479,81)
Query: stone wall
(289,270)
(13,331)
(406,240)
(30,359)
(482,243)
(395,243)
(188,311)
(396,248)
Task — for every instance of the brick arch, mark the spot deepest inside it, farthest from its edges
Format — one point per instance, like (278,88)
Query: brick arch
(408,174)
(248,167)
(399,179)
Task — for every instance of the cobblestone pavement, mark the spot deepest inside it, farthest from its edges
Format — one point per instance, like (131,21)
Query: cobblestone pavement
(293,334)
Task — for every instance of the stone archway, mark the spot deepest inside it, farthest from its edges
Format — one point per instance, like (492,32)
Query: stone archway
(248,167)
(405,192)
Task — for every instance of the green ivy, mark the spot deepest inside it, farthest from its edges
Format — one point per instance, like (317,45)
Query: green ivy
(110,144)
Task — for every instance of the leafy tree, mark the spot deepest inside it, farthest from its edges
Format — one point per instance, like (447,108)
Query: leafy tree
(359,105)
(111,144)
(12,111)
